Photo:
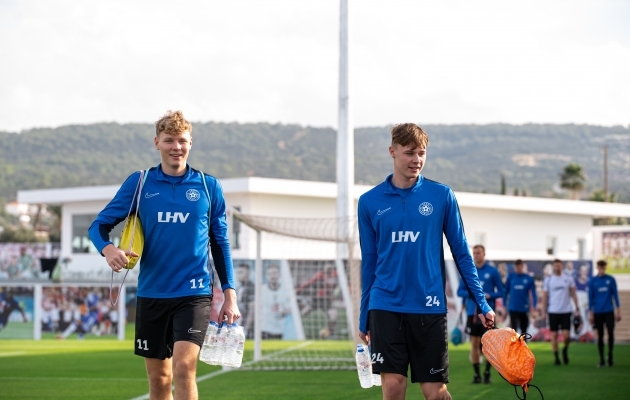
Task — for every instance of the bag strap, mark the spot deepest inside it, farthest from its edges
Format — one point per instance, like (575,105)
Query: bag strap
(205,185)
(136,196)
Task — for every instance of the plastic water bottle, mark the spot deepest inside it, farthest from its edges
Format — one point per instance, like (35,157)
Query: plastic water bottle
(218,354)
(364,366)
(376,378)
(231,342)
(209,342)
(240,346)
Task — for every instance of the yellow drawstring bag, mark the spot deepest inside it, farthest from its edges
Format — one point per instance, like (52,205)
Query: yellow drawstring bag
(132,240)
(132,237)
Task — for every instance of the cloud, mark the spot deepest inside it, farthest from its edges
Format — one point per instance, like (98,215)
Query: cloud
(277,61)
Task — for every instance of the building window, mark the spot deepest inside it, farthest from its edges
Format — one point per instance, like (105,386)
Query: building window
(81,243)
(551,245)
(236,231)
(581,245)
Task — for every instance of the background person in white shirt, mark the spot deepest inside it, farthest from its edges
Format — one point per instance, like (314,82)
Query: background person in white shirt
(275,304)
(558,290)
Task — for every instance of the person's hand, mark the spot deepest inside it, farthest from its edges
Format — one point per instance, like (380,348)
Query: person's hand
(365,337)
(116,258)
(591,317)
(488,320)
(229,310)
(618,316)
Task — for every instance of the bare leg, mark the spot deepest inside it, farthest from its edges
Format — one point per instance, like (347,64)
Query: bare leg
(160,376)
(435,391)
(185,370)
(475,349)
(394,386)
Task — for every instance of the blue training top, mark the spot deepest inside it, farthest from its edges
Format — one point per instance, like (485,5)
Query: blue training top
(602,292)
(403,267)
(490,280)
(174,213)
(517,290)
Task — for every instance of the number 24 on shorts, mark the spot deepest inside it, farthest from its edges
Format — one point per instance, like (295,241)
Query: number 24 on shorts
(432,301)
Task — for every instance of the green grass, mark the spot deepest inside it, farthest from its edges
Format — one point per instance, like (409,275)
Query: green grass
(107,369)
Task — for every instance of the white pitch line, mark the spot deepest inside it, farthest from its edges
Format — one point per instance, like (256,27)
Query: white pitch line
(62,378)
(226,370)
(12,353)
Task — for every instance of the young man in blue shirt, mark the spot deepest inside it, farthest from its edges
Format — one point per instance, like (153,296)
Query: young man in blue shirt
(604,309)
(519,288)
(403,301)
(490,279)
(179,221)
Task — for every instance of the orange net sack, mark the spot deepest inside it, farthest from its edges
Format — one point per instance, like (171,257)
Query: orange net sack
(508,352)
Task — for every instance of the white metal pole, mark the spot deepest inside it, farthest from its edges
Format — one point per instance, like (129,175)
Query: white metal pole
(345,155)
(345,132)
(258,298)
(37,311)
(122,311)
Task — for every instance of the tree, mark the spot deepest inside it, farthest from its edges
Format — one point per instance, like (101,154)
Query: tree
(19,235)
(503,189)
(600,195)
(573,178)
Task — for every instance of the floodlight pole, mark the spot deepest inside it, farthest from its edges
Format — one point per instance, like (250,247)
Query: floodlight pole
(345,160)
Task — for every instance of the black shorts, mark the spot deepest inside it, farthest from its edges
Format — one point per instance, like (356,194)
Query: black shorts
(518,320)
(559,321)
(474,327)
(601,319)
(162,322)
(417,340)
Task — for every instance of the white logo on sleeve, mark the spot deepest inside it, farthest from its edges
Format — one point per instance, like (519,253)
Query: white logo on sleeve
(192,194)
(191,330)
(148,196)
(381,212)
(425,208)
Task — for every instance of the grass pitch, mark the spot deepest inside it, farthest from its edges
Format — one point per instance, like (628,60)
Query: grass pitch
(107,369)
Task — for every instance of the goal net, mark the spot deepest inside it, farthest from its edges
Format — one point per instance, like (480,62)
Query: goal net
(298,292)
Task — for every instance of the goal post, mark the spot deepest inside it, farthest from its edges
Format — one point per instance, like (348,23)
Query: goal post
(306,299)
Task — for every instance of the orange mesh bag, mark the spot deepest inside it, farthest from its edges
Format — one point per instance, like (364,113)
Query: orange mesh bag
(509,354)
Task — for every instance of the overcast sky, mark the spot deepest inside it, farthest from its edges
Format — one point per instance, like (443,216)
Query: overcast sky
(73,61)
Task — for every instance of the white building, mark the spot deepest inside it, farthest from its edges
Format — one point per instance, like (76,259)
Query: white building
(509,227)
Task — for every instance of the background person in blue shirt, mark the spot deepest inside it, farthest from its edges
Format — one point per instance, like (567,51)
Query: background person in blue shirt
(174,295)
(519,287)
(490,279)
(604,309)
(403,301)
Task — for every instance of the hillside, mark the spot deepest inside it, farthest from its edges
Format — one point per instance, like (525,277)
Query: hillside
(466,157)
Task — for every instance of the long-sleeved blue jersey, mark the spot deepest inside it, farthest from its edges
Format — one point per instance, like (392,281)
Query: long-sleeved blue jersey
(602,292)
(490,280)
(178,221)
(517,290)
(403,267)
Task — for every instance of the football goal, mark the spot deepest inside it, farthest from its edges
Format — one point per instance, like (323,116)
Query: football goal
(299,300)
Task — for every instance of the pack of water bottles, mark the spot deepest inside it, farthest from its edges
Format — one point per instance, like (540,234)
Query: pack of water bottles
(223,345)
(367,379)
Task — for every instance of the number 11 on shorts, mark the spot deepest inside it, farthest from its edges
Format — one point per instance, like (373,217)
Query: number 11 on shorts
(142,342)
